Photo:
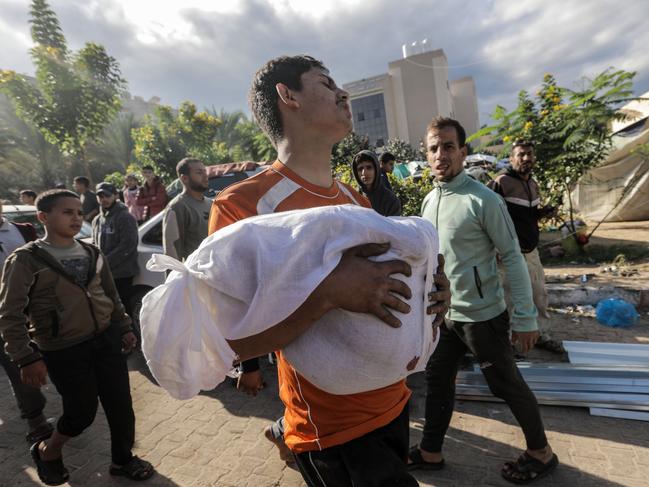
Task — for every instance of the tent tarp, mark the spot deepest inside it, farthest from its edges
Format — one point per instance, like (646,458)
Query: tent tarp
(622,180)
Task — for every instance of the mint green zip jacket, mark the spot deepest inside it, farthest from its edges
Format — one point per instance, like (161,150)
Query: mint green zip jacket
(474,225)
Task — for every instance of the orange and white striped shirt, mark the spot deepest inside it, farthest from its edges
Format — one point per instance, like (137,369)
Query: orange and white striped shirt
(314,419)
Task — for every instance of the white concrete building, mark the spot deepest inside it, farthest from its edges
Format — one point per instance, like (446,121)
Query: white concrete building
(401,102)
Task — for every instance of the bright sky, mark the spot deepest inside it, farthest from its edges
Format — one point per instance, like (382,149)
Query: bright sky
(207,51)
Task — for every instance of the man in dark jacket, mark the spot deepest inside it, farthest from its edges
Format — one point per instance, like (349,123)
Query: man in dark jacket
(114,231)
(31,400)
(366,169)
(521,193)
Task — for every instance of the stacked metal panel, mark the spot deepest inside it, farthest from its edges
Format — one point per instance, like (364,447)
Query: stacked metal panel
(615,383)
(589,353)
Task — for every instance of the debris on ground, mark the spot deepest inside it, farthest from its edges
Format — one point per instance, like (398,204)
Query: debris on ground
(584,310)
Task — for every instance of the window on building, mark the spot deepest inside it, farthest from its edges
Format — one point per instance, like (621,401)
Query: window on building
(361,116)
(377,113)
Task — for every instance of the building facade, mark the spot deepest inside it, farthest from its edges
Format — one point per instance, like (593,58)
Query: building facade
(401,102)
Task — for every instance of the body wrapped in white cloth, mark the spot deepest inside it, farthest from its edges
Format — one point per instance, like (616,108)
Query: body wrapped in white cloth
(251,275)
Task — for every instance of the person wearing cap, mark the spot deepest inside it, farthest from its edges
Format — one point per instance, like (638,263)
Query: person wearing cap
(367,172)
(114,231)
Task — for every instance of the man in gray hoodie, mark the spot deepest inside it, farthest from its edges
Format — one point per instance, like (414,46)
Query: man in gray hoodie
(114,231)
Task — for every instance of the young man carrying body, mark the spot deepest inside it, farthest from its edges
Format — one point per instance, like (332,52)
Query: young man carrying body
(473,225)
(114,231)
(65,289)
(521,193)
(365,167)
(89,204)
(30,399)
(338,440)
(184,226)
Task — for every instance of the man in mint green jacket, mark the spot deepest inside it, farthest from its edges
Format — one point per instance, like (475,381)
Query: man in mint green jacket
(474,225)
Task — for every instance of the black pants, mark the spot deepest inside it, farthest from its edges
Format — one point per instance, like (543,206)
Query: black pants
(490,343)
(95,369)
(124,286)
(31,400)
(377,459)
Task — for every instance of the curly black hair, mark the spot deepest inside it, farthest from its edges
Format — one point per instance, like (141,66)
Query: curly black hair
(263,95)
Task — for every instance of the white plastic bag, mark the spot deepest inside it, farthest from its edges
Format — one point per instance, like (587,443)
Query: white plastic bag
(255,273)
(182,349)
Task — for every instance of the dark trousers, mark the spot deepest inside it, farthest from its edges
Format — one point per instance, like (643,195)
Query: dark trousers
(124,286)
(30,400)
(490,343)
(95,369)
(377,459)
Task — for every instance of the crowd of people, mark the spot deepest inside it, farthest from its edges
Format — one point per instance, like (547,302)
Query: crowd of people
(65,304)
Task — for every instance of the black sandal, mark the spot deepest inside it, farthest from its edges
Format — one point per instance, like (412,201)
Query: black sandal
(417,462)
(527,469)
(51,472)
(136,469)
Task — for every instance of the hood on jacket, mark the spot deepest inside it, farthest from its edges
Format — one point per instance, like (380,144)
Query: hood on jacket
(364,155)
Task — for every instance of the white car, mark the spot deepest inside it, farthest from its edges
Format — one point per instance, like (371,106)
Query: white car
(27,214)
(150,232)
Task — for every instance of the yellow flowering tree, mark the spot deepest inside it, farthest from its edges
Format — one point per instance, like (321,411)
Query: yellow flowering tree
(569,128)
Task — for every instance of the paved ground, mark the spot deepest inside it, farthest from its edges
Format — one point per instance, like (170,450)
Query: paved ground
(215,439)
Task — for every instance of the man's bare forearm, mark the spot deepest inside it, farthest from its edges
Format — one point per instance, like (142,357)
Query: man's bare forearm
(283,333)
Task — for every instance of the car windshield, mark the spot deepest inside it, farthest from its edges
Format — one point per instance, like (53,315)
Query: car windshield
(30,217)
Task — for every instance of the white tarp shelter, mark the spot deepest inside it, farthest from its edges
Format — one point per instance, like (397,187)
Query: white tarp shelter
(623,178)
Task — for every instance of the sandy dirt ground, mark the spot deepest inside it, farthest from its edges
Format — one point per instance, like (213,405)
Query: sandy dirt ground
(633,274)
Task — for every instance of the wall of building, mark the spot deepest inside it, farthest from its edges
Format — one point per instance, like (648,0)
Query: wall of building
(414,90)
(422,92)
(465,104)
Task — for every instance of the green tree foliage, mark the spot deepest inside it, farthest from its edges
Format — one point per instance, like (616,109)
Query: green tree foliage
(27,160)
(214,137)
(113,150)
(570,128)
(74,96)
(243,137)
(169,136)
(411,192)
(403,151)
(342,154)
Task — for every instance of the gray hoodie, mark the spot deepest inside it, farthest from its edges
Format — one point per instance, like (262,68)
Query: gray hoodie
(114,231)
